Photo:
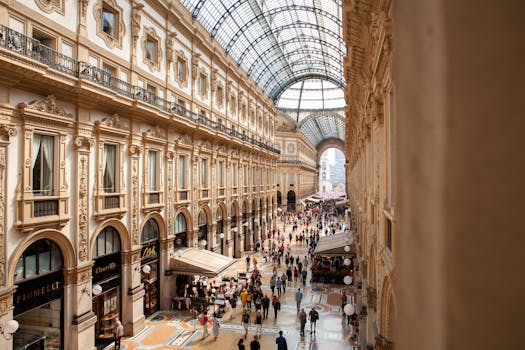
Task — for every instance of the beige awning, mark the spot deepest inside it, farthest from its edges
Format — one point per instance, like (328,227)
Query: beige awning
(334,245)
(342,203)
(201,262)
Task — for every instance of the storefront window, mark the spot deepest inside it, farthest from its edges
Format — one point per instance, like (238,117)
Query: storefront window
(149,266)
(38,298)
(106,273)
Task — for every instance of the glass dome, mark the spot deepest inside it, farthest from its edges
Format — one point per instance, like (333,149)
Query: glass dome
(312,94)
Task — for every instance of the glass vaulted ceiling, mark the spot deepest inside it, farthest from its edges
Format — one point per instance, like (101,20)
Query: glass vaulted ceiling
(293,49)
(278,42)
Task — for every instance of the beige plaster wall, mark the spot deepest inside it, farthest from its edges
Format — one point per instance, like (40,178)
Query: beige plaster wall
(459,80)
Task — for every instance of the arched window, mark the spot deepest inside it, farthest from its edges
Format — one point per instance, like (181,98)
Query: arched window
(180,232)
(108,242)
(203,228)
(150,232)
(40,258)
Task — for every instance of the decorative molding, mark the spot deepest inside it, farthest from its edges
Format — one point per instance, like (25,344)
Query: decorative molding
(134,150)
(83,217)
(136,19)
(154,62)
(83,5)
(6,300)
(170,44)
(112,122)
(3,199)
(120,29)
(83,142)
(134,200)
(8,130)
(152,132)
(47,105)
(49,6)
(195,60)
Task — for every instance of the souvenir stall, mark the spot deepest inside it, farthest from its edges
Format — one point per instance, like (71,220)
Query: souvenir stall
(333,259)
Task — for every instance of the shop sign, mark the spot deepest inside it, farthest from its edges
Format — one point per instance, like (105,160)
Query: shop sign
(106,266)
(149,252)
(37,291)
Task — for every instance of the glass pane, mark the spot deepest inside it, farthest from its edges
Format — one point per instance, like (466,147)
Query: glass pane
(108,22)
(150,49)
(152,170)
(44,262)
(56,258)
(182,171)
(109,243)
(31,269)
(101,244)
(110,153)
(19,269)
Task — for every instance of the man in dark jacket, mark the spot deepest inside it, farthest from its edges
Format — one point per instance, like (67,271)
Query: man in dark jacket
(281,342)
(254,344)
(265,306)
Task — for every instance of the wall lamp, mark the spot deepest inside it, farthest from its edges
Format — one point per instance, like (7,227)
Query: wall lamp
(9,328)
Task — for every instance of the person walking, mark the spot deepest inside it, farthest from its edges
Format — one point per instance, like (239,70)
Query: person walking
(245,318)
(233,303)
(302,319)
(298,298)
(119,333)
(272,284)
(265,306)
(279,285)
(314,316)
(249,298)
(283,279)
(258,323)
(254,344)
(215,327)
(194,314)
(304,273)
(204,322)
(276,306)
(244,298)
(240,344)
(281,342)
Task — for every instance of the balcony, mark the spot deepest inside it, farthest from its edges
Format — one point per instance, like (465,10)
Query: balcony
(19,43)
(46,207)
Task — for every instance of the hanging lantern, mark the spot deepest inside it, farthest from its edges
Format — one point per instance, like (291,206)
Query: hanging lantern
(347,248)
(347,262)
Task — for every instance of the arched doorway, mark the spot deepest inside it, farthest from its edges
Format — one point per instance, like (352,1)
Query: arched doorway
(219,230)
(39,298)
(180,232)
(203,230)
(234,228)
(107,277)
(149,240)
(290,199)
(279,199)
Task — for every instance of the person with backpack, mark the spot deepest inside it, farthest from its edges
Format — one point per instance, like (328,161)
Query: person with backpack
(314,316)
(276,306)
(245,318)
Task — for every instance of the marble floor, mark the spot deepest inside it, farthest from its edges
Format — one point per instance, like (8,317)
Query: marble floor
(174,329)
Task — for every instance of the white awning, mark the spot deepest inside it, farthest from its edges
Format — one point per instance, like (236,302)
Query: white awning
(333,245)
(342,203)
(312,199)
(201,262)
(303,203)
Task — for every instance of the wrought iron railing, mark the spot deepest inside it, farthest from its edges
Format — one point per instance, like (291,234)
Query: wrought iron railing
(153,198)
(111,202)
(32,48)
(45,207)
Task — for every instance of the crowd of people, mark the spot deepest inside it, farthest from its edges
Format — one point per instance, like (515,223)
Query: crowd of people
(288,270)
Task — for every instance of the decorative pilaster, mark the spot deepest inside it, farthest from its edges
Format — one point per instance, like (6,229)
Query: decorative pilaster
(134,152)
(83,145)
(2,214)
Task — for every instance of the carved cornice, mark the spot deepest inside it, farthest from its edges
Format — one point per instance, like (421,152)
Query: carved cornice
(8,130)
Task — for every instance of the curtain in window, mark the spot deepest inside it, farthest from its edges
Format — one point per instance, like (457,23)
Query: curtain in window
(204,173)
(47,164)
(182,171)
(109,168)
(36,146)
(152,170)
